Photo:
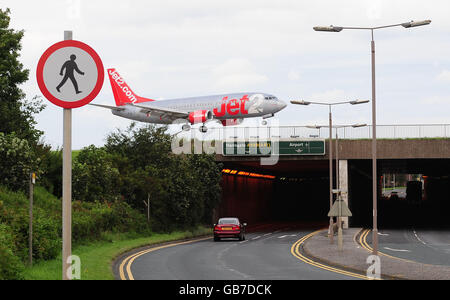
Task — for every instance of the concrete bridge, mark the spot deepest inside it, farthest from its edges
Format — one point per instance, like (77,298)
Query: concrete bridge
(299,189)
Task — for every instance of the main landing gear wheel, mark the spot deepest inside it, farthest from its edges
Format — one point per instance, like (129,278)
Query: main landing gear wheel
(203,129)
(264,122)
(186,127)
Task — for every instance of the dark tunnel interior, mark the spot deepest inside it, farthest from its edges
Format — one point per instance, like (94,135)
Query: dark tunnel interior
(300,193)
(424,207)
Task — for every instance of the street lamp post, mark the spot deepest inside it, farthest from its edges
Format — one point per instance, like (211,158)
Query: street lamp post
(338,194)
(354,102)
(374,138)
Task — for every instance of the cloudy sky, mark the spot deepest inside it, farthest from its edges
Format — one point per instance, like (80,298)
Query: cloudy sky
(177,48)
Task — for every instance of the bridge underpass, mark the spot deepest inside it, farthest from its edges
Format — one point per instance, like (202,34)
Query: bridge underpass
(299,190)
(285,198)
(430,209)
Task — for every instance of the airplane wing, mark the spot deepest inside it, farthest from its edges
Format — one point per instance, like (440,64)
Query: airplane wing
(116,108)
(163,111)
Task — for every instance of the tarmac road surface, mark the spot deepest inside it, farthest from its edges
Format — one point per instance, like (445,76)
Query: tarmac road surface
(264,255)
(425,246)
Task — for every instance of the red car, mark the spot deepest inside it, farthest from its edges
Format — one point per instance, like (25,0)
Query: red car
(229,228)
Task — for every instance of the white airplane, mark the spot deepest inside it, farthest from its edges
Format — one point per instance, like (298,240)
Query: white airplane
(229,109)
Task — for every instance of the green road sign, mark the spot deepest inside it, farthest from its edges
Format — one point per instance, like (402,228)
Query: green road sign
(263,148)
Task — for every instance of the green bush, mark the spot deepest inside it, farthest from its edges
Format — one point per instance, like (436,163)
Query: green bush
(11,266)
(51,167)
(94,176)
(17,160)
(46,236)
(90,221)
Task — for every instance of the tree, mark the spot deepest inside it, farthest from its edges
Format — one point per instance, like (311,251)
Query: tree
(17,123)
(17,160)
(183,189)
(16,113)
(94,177)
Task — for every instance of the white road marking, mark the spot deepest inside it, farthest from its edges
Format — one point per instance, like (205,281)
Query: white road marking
(256,237)
(283,236)
(417,237)
(384,234)
(267,234)
(398,250)
(225,266)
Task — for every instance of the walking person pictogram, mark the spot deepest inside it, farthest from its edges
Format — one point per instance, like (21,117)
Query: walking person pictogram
(70,66)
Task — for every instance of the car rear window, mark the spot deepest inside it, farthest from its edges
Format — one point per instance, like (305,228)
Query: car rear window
(229,221)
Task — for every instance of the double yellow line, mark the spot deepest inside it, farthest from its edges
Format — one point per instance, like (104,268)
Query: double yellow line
(295,250)
(125,265)
(363,242)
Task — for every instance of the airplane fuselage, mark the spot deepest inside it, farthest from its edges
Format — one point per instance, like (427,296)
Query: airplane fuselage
(223,107)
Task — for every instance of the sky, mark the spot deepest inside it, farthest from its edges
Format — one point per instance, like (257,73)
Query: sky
(177,48)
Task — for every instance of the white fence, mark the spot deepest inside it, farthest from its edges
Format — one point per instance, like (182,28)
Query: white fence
(383,132)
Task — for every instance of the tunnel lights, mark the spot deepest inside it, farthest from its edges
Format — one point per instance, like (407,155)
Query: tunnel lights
(249,174)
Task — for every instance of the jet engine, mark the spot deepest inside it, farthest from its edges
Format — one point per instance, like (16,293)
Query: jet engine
(200,116)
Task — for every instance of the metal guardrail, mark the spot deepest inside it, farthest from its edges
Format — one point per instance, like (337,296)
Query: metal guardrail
(404,131)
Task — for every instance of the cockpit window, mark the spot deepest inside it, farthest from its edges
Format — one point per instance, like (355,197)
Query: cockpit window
(270,98)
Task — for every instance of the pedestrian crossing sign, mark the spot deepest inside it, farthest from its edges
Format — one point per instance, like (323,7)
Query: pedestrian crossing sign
(70,74)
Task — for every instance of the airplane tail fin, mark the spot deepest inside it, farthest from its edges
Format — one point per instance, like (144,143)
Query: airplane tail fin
(122,92)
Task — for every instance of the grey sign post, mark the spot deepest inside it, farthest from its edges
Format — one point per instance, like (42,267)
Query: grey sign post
(30,213)
(55,67)
(67,184)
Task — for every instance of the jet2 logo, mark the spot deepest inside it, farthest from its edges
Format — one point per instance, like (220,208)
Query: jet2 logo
(232,107)
(125,89)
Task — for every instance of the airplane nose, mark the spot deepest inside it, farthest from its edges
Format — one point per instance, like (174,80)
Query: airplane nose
(282,104)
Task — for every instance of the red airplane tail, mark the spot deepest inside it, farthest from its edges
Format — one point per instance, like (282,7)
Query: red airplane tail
(123,94)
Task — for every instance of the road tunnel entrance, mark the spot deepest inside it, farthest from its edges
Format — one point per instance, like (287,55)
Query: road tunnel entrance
(298,191)
(411,193)
(290,191)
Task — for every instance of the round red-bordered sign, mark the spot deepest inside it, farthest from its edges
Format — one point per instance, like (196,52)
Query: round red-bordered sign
(54,97)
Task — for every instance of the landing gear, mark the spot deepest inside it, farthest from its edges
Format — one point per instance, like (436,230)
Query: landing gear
(186,127)
(203,129)
(264,122)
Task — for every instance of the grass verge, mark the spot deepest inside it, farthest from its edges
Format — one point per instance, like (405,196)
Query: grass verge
(96,258)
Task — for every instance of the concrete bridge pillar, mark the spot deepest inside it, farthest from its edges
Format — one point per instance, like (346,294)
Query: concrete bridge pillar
(343,185)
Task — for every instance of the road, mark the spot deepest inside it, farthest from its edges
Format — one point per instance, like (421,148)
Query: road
(420,245)
(263,255)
